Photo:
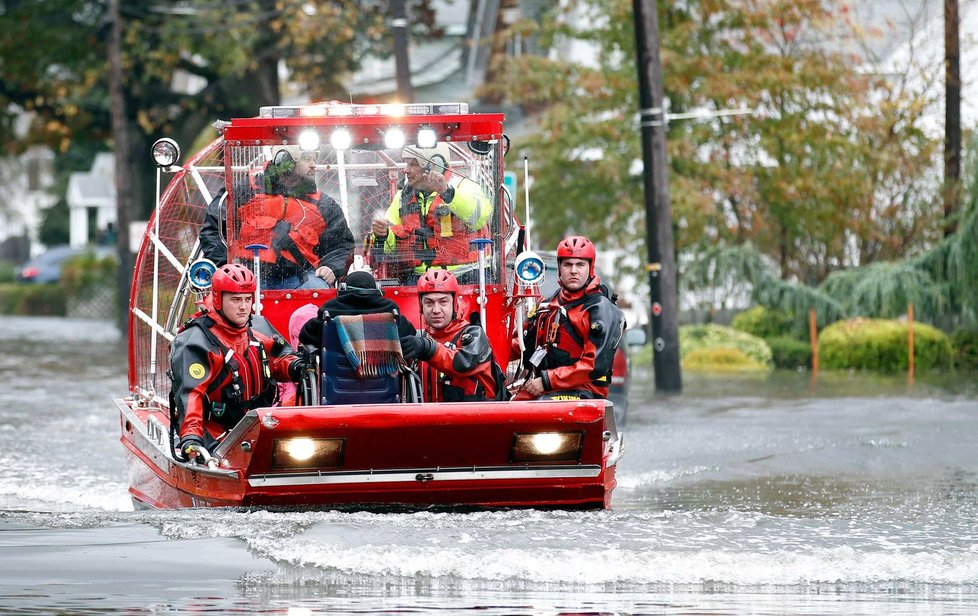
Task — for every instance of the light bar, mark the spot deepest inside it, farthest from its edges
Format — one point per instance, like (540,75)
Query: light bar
(338,109)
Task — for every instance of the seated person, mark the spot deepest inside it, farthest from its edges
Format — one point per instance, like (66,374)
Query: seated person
(357,293)
(221,368)
(432,219)
(571,338)
(458,364)
(308,236)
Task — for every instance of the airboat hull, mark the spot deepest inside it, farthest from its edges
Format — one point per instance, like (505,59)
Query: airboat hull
(412,455)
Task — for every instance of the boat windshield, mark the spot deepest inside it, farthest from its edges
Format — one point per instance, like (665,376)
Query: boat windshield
(290,199)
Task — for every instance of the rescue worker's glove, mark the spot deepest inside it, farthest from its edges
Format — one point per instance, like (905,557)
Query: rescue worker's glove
(298,368)
(188,445)
(418,347)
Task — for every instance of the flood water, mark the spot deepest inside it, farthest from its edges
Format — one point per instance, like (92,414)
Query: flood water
(854,494)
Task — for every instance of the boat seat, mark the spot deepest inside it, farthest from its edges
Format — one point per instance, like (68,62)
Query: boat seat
(361,361)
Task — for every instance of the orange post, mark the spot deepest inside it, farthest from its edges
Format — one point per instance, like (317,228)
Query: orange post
(813,336)
(910,365)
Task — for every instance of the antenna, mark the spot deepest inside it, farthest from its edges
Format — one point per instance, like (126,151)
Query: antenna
(526,198)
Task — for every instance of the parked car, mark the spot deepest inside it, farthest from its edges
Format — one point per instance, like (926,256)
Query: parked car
(621,368)
(46,267)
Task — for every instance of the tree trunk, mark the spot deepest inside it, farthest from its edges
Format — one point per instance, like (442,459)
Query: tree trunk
(952,116)
(123,186)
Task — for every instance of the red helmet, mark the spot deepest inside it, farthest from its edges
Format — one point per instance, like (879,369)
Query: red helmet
(577,247)
(231,278)
(437,281)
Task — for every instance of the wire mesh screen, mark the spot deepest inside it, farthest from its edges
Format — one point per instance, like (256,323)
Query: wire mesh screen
(181,214)
(286,202)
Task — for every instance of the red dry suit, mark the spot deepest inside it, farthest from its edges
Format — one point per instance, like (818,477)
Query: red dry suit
(219,373)
(462,368)
(302,232)
(578,333)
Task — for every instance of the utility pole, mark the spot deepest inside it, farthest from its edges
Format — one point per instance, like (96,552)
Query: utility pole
(661,264)
(123,184)
(952,115)
(402,64)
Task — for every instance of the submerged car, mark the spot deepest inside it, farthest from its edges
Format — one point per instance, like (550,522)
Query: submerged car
(46,267)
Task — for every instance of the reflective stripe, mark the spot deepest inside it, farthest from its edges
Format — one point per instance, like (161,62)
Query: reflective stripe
(432,475)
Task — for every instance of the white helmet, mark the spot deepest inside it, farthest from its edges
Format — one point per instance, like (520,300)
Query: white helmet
(438,157)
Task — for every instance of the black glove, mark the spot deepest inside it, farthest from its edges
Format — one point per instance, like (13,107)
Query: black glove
(297,369)
(189,441)
(418,347)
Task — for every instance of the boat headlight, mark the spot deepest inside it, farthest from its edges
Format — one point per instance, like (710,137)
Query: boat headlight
(341,139)
(301,452)
(547,446)
(394,138)
(308,141)
(166,152)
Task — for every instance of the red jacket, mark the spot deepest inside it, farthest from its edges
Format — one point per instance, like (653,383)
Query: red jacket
(579,333)
(206,392)
(462,367)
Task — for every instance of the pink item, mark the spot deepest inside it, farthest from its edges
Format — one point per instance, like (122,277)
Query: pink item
(302,314)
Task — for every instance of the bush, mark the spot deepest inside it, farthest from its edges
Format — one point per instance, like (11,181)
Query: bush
(965,343)
(7,270)
(711,336)
(877,344)
(720,359)
(763,322)
(790,353)
(82,275)
(32,299)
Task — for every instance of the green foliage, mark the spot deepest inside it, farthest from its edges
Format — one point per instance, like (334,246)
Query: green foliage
(885,290)
(965,343)
(32,299)
(7,270)
(82,275)
(823,169)
(876,344)
(711,336)
(790,353)
(55,226)
(721,359)
(763,322)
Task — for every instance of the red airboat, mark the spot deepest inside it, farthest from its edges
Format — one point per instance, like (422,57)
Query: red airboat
(415,454)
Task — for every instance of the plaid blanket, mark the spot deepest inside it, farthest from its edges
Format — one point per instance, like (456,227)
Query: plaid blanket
(371,343)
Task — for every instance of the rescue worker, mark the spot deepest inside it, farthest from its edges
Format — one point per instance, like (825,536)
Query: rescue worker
(571,338)
(308,237)
(220,367)
(458,365)
(432,219)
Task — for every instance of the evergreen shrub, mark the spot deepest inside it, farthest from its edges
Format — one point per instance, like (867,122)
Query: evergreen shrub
(720,359)
(7,271)
(763,322)
(965,343)
(32,299)
(790,353)
(879,344)
(711,336)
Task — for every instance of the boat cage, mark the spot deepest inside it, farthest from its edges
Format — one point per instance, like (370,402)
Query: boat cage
(362,177)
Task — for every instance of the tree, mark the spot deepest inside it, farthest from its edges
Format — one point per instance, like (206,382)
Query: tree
(805,178)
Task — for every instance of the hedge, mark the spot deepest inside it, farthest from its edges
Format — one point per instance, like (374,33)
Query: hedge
(32,299)
(721,359)
(879,344)
(712,336)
